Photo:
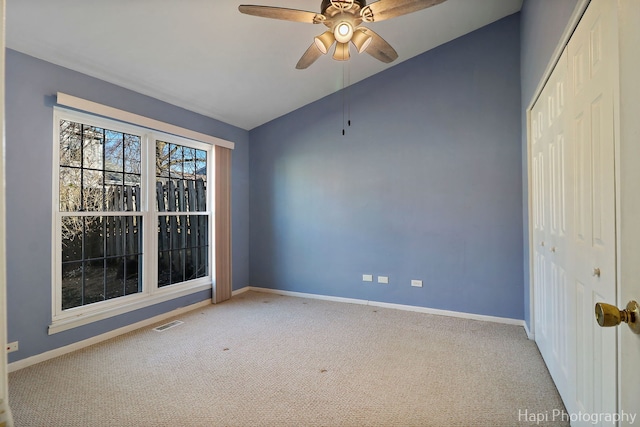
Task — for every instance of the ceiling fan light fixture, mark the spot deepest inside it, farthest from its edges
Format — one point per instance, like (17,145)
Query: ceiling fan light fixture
(324,41)
(361,40)
(342,52)
(343,32)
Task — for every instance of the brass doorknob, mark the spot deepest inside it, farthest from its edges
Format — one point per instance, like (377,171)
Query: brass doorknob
(610,315)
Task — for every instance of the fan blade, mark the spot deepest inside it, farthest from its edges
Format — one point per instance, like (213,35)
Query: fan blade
(309,57)
(282,13)
(386,9)
(342,52)
(379,48)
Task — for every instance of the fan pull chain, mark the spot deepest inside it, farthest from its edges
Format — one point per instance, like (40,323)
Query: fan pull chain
(343,82)
(343,86)
(348,94)
(346,106)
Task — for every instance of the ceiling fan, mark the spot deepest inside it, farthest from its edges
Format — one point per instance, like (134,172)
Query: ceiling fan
(343,18)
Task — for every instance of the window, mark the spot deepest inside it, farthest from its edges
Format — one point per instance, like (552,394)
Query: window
(99,201)
(132,217)
(181,178)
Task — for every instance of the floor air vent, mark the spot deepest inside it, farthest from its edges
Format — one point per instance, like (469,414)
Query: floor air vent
(168,326)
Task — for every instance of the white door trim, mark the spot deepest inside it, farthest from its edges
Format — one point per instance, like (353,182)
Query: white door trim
(6,419)
(627,202)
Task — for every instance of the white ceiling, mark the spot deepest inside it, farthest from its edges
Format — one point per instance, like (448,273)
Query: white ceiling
(207,57)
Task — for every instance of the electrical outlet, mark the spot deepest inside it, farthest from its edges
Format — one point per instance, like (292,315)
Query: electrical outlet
(383,279)
(12,346)
(416,283)
(367,277)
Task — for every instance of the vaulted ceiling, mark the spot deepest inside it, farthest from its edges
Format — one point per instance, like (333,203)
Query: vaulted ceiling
(207,57)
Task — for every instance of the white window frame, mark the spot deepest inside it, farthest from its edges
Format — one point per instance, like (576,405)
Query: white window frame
(151,294)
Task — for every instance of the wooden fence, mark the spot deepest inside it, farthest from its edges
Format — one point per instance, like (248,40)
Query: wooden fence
(182,239)
(122,232)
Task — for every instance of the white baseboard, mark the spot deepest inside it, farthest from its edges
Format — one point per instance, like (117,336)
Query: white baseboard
(240,291)
(426,310)
(529,333)
(29,361)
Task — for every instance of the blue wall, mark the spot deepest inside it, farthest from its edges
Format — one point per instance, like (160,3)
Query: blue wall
(30,88)
(426,184)
(541,26)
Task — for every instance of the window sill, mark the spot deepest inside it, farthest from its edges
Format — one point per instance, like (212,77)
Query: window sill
(90,317)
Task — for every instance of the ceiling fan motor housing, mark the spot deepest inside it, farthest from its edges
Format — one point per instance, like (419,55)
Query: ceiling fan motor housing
(327,3)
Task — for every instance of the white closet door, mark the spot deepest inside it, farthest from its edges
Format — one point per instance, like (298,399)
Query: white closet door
(574,236)
(591,56)
(553,195)
(539,221)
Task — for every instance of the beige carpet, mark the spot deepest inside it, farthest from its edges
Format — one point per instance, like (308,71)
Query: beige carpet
(269,360)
